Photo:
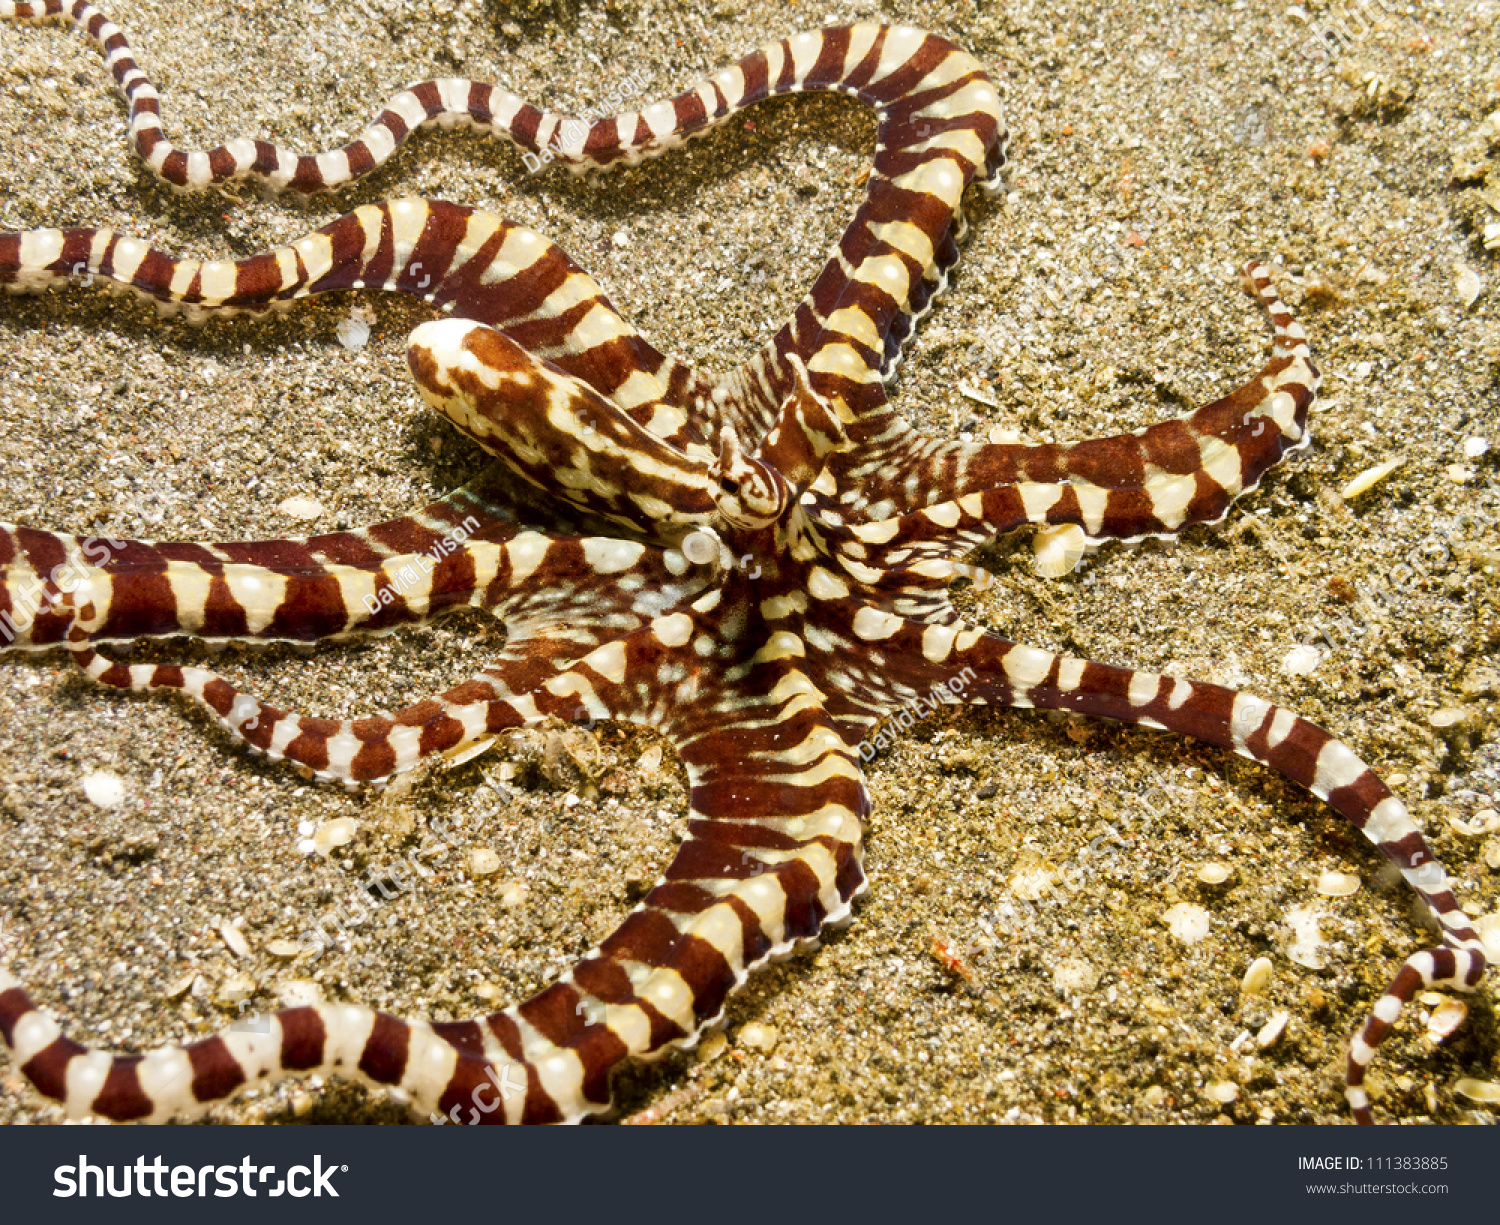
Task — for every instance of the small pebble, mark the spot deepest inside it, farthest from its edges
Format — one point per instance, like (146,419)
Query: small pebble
(1074,976)
(1270,1033)
(1338,884)
(650,759)
(1492,853)
(712,1046)
(1221,1091)
(513,894)
(103,789)
(1257,976)
(1478,1090)
(483,861)
(235,988)
(1369,478)
(620,238)
(1001,436)
(1187,922)
(758,1037)
(179,987)
(299,506)
(1214,873)
(283,948)
(1475,447)
(299,993)
(235,939)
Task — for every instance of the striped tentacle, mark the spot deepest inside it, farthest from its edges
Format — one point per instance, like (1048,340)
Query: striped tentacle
(1009,674)
(772,856)
(939,129)
(1151,482)
(560,592)
(282,590)
(849,59)
(463,260)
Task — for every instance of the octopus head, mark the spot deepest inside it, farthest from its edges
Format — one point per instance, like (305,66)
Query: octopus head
(751,494)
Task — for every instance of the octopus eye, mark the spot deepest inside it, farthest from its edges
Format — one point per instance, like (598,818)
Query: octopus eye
(729,486)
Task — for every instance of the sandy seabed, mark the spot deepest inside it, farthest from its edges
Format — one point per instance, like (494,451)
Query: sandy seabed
(1153,151)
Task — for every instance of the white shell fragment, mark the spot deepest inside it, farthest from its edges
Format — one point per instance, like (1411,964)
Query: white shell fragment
(179,986)
(283,948)
(1445,1019)
(1257,976)
(1270,1033)
(1478,1090)
(483,861)
(1488,929)
(1302,660)
(353,333)
(650,759)
(234,938)
(712,1046)
(1370,477)
(758,1037)
(1475,447)
(299,993)
(1307,941)
(461,753)
(103,789)
(298,506)
(235,988)
(1075,976)
(1338,884)
(1485,821)
(1468,284)
(1492,235)
(329,835)
(1221,1091)
(978,395)
(1058,549)
(1214,873)
(1187,922)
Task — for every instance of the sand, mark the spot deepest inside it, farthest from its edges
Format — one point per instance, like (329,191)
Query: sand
(1154,150)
